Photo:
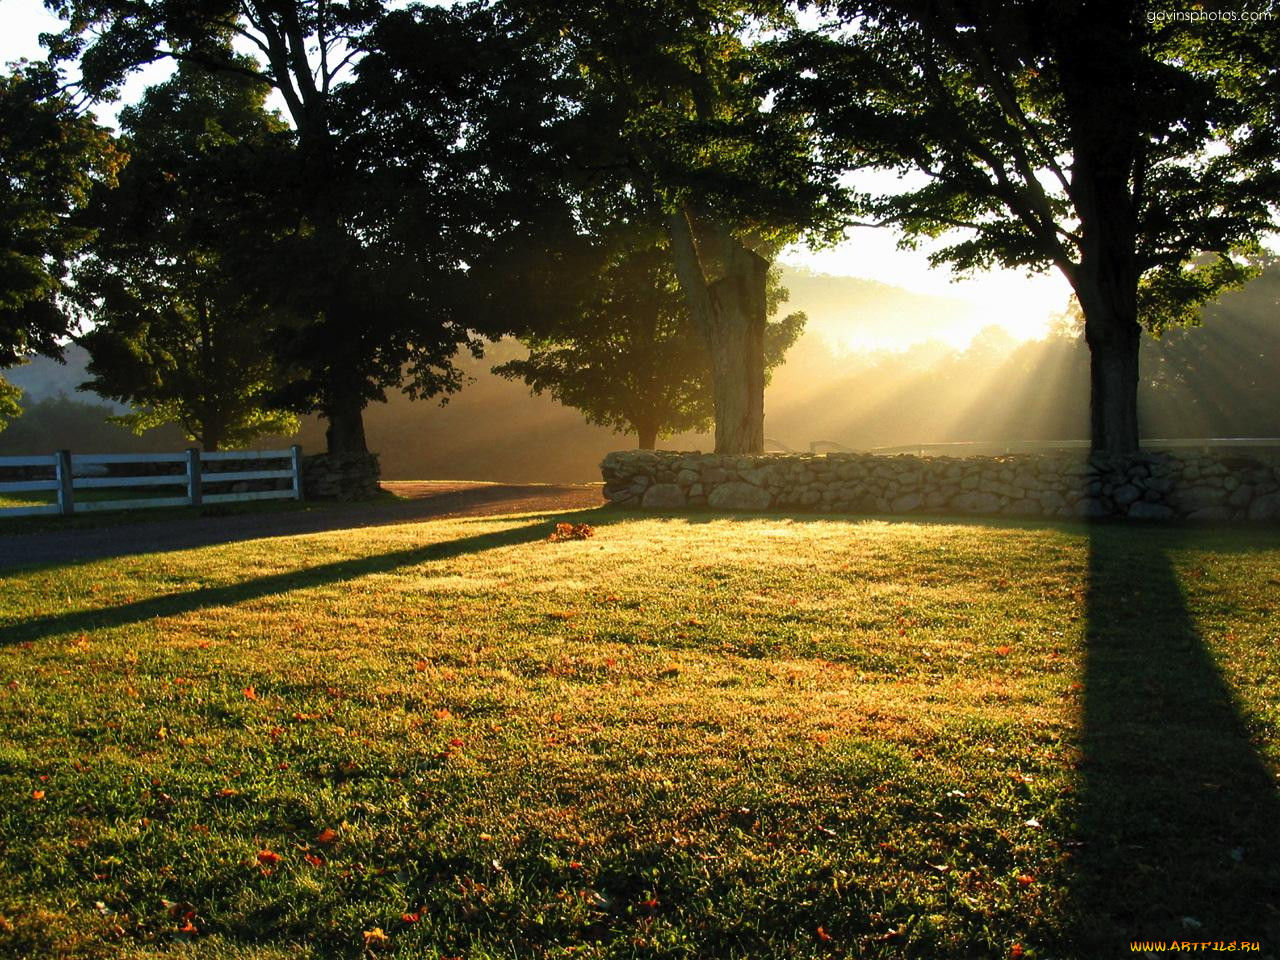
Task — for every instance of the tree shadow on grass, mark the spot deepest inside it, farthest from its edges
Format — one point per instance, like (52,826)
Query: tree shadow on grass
(119,534)
(1179,818)
(39,628)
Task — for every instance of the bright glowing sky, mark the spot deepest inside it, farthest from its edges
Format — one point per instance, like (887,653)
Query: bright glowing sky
(1022,305)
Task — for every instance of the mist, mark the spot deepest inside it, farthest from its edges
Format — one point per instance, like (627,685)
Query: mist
(1216,380)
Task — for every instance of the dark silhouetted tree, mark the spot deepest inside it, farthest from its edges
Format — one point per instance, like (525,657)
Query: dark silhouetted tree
(1085,136)
(176,334)
(362,319)
(631,359)
(673,124)
(50,158)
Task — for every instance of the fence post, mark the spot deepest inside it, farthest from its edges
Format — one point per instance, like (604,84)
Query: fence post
(295,460)
(193,476)
(66,488)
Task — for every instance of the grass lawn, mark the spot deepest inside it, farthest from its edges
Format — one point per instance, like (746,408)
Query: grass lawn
(686,737)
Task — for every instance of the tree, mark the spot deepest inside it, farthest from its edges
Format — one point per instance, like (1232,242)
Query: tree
(630,359)
(10,408)
(363,317)
(681,131)
(51,157)
(1136,154)
(176,333)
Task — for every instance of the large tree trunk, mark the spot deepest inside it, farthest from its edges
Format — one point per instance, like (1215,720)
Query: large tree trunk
(1106,284)
(345,432)
(730,312)
(1099,70)
(647,434)
(1113,381)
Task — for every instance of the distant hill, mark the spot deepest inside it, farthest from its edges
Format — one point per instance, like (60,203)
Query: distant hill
(45,379)
(855,313)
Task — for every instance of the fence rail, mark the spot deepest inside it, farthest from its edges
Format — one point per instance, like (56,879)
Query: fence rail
(72,472)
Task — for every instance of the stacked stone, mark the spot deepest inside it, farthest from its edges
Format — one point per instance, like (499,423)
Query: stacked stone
(1191,486)
(341,476)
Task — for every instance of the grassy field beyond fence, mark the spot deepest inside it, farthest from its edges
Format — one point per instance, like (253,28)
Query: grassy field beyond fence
(683,737)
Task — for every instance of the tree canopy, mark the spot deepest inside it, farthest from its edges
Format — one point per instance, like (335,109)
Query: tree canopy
(677,137)
(1138,156)
(177,333)
(630,358)
(360,287)
(51,157)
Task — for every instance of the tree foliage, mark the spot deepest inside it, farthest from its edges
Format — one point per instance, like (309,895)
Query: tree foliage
(360,287)
(51,157)
(9,405)
(675,135)
(1135,154)
(177,333)
(630,358)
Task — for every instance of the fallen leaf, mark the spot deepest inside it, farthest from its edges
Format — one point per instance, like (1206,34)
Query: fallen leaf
(327,835)
(1026,880)
(268,857)
(312,859)
(1003,651)
(250,693)
(375,937)
(411,917)
(572,531)
(37,794)
(824,936)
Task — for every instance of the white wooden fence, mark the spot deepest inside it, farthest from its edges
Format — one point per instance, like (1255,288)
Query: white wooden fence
(72,472)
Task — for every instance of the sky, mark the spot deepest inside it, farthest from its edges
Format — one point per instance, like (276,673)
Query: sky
(1022,305)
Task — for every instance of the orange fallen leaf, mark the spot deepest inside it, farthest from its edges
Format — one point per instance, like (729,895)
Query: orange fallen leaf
(1016,951)
(1026,880)
(327,835)
(268,857)
(375,936)
(37,794)
(188,927)
(250,693)
(421,665)
(572,531)
(312,859)
(824,936)
(1003,651)
(411,917)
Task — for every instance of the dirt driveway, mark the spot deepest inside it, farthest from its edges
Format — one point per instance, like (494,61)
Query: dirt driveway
(419,500)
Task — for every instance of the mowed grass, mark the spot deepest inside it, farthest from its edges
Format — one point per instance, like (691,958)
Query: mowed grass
(698,736)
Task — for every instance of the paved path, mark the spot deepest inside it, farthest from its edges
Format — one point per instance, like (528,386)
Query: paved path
(418,501)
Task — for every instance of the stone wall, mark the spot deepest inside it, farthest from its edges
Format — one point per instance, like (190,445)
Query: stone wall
(1157,486)
(340,476)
